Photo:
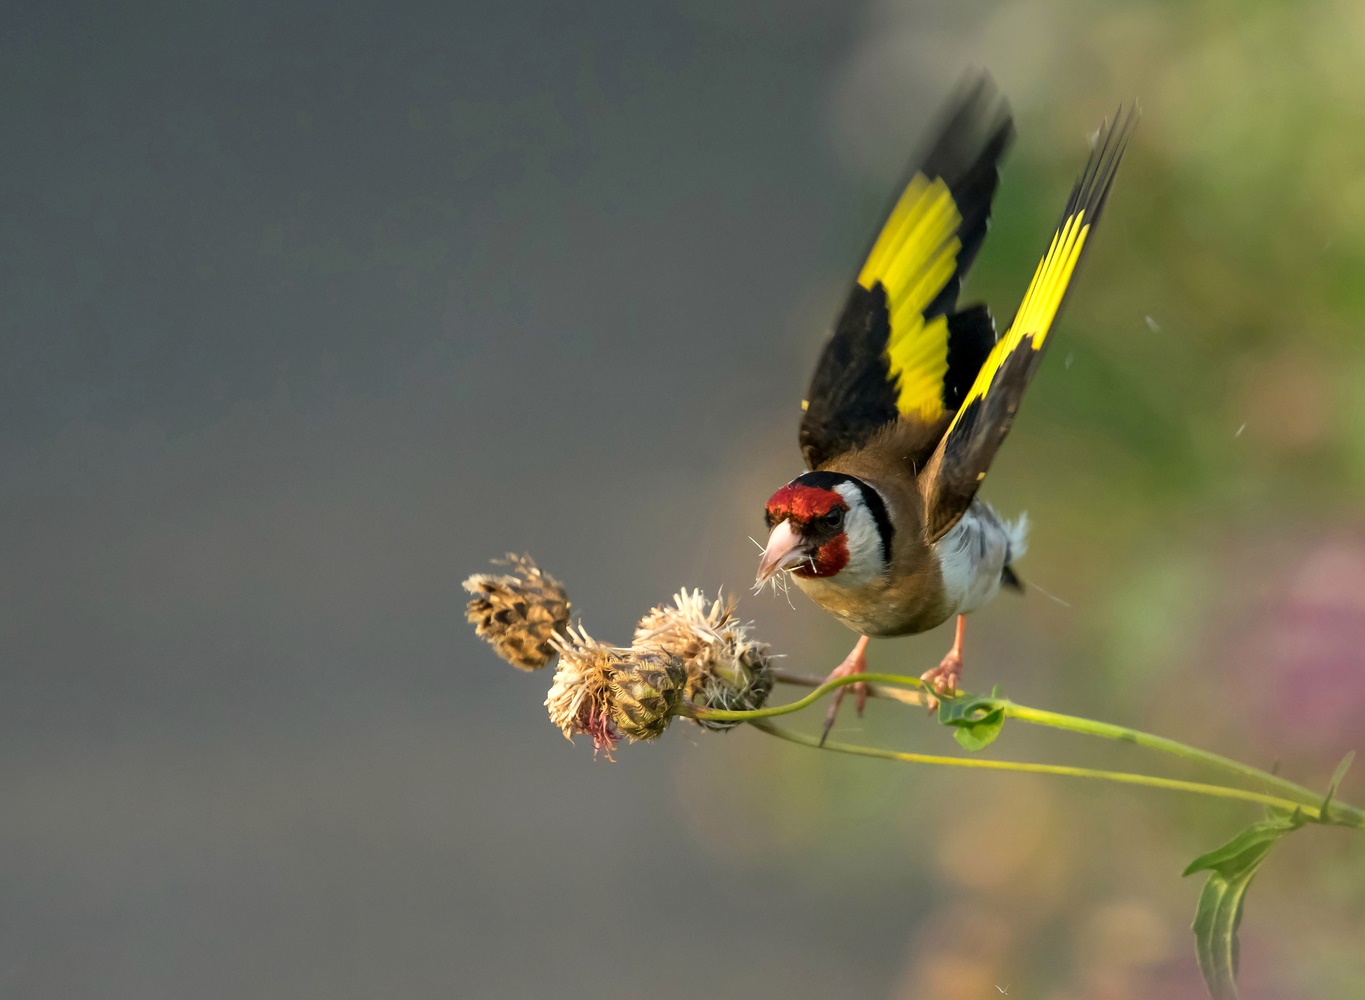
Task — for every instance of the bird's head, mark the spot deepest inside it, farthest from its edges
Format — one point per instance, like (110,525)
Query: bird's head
(827,525)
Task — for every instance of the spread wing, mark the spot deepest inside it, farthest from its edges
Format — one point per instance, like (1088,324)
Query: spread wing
(963,456)
(899,350)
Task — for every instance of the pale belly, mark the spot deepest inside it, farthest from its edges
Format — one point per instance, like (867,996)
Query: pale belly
(973,556)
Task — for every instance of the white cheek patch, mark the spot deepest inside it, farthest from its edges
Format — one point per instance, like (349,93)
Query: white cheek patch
(866,558)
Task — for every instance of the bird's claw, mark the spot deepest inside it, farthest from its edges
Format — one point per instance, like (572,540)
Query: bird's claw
(853,664)
(943,679)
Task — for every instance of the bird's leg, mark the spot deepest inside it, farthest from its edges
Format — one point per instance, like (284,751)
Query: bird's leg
(944,678)
(854,663)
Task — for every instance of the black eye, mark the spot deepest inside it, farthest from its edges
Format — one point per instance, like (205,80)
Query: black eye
(834,518)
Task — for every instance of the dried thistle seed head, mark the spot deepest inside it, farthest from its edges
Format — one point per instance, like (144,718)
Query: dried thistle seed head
(725,669)
(684,627)
(581,699)
(734,675)
(518,612)
(646,689)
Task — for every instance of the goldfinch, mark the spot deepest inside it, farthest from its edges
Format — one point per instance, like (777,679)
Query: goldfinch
(913,394)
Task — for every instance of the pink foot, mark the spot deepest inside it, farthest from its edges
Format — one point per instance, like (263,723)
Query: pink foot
(854,663)
(945,678)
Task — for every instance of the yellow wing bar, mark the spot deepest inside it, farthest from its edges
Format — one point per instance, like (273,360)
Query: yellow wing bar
(1039,308)
(914,257)
(1048,288)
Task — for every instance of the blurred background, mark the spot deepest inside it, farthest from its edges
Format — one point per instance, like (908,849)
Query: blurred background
(308,311)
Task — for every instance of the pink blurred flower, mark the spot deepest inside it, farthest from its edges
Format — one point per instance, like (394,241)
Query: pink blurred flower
(1295,655)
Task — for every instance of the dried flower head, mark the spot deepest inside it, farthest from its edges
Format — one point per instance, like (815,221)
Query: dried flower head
(725,669)
(736,676)
(518,613)
(580,699)
(686,625)
(646,691)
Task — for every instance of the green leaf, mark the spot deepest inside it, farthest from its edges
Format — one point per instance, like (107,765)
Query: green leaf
(981,733)
(1219,913)
(1240,849)
(1337,775)
(1215,930)
(1341,770)
(977,721)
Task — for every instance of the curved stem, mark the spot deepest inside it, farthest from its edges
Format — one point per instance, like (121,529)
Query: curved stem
(1305,798)
(1337,811)
(696,711)
(1105,730)
(1123,777)
(913,697)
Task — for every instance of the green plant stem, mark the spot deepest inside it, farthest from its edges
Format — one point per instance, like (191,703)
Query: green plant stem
(1123,777)
(1108,731)
(873,691)
(809,700)
(1305,798)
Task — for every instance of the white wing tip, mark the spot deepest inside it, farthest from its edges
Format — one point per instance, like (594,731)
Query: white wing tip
(1017,533)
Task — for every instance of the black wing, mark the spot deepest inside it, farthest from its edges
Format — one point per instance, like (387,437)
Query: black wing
(898,350)
(960,462)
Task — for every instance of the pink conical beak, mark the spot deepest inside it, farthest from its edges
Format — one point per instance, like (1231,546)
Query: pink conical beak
(786,548)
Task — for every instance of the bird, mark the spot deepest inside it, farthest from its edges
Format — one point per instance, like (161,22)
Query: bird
(913,394)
